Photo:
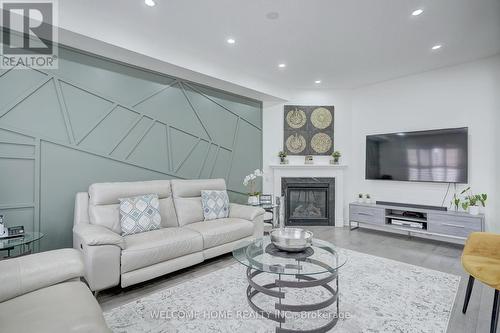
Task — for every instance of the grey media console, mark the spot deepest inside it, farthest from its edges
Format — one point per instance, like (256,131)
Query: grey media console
(449,224)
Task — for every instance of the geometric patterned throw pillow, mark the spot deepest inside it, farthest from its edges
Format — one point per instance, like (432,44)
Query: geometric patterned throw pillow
(215,204)
(140,214)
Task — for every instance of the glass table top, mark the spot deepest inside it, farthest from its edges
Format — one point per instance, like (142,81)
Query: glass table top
(16,241)
(321,257)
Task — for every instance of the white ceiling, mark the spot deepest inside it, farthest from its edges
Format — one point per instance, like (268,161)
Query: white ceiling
(345,43)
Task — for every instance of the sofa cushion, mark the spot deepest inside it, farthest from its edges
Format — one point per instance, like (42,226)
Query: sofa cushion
(215,204)
(104,203)
(187,197)
(222,231)
(64,307)
(139,214)
(152,247)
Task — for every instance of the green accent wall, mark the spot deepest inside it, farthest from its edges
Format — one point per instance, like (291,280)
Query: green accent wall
(97,120)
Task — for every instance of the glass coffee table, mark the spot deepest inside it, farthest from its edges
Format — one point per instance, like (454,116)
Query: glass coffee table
(25,241)
(316,267)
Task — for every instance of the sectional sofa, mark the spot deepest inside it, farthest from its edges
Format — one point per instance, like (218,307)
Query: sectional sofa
(43,293)
(185,239)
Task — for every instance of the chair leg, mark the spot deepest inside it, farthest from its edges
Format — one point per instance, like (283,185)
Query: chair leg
(494,314)
(468,293)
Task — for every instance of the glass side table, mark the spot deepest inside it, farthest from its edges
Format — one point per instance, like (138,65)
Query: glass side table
(24,242)
(316,267)
(270,216)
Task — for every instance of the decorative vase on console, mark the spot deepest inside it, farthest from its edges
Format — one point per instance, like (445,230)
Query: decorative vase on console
(474,210)
(250,181)
(368,198)
(360,198)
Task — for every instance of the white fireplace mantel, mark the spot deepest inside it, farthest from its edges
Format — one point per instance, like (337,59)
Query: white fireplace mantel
(314,170)
(308,166)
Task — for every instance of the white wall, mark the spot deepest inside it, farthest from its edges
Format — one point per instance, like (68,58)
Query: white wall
(273,127)
(465,95)
(273,115)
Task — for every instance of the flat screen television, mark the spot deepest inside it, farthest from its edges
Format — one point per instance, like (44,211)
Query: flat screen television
(423,156)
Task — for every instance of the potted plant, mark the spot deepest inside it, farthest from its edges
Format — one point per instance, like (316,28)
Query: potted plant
(250,182)
(282,155)
(336,156)
(360,197)
(368,198)
(473,201)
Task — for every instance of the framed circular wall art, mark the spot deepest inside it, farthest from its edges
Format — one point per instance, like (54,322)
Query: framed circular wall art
(308,130)
(296,118)
(321,143)
(295,143)
(321,118)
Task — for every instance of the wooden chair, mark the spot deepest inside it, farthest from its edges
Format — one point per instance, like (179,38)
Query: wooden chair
(481,259)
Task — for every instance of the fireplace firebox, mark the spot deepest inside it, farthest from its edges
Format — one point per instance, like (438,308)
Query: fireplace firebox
(309,201)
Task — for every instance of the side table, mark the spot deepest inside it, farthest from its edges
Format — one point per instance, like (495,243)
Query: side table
(25,241)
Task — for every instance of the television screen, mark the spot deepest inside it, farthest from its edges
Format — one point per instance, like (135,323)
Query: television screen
(423,156)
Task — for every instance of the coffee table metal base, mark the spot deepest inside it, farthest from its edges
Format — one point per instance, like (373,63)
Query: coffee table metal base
(303,281)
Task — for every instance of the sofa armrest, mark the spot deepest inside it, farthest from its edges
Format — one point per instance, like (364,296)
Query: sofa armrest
(101,250)
(25,274)
(253,214)
(93,235)
(245,212)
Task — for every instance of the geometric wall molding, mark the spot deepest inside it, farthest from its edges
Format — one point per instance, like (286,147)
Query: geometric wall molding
(100,112)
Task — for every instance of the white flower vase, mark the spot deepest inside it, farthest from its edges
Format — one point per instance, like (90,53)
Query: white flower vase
(361,200)
(474,210)
(253,200)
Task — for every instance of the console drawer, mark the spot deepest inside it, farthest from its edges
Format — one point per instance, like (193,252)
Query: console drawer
(456,221)
(450,228)
(366,214)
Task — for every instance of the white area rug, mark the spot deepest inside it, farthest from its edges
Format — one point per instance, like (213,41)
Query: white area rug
(376,295)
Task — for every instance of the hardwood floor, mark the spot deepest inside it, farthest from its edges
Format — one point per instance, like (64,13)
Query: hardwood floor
(426,253)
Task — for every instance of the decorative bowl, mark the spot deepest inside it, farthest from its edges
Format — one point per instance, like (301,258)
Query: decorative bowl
(291,239)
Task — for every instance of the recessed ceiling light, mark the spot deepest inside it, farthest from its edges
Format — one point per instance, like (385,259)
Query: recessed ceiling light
(231,41)
(272,15)
(437,47)
(317,81)
(282,65)
(150,3)
(417,12)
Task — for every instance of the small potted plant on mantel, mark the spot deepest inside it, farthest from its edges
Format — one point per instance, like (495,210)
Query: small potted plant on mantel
(360,197)
(336,156)
(282,155)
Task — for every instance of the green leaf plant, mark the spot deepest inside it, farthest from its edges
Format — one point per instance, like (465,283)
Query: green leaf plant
(469,199)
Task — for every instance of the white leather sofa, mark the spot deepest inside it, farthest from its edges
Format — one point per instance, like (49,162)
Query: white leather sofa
(43,293)
(184,239)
